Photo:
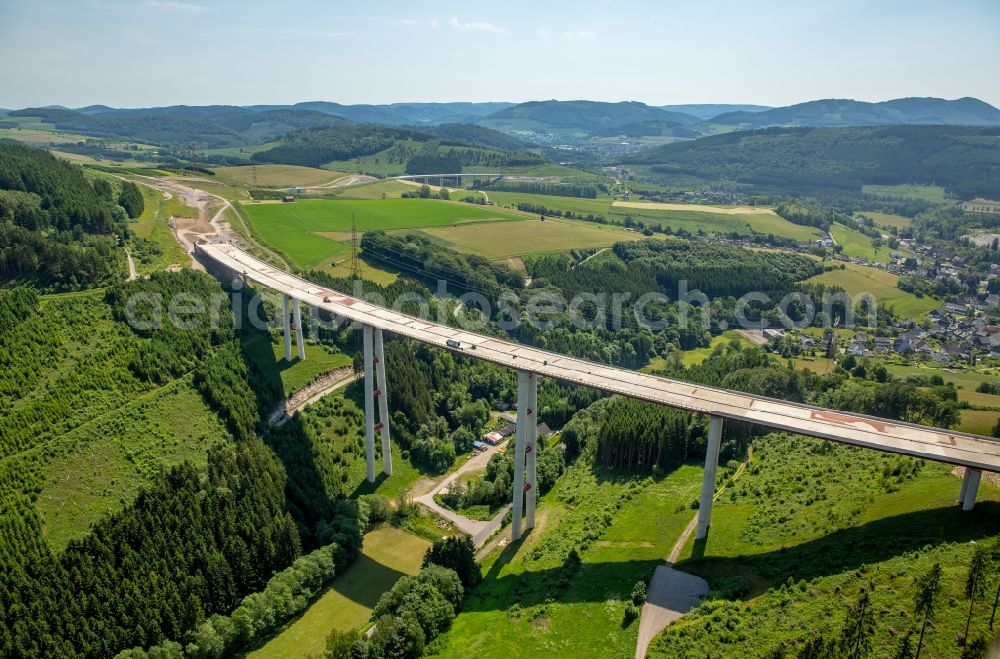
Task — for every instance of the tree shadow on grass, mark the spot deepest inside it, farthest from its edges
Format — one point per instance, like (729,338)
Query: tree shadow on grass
(838,552)
(365,581)
(849,549)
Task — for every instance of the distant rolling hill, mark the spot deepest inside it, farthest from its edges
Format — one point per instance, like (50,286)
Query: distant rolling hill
(208,126)
(579,118)
(392,150)
(709,110)
(963,159)
(398,114)
(844,112)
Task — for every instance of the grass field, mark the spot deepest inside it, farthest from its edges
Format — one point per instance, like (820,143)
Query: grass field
(930,193)
(857,279)
(292,228)
(979,422)
(499,239)
(599,206)
(388,188)
(120,452)
(528,605)
(690,217)
(965,380)
(152,225)
(859,245)
(808,526)
(888,219)
(89,452)
(277,176)
(387,554)
(38,137)
(268,352)
(699,355)
(816,365)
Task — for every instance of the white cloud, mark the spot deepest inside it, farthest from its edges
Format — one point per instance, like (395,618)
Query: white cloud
(579,35)
(175,5)
(475,25)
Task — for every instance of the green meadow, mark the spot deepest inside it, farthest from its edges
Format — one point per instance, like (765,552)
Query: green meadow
(311,233)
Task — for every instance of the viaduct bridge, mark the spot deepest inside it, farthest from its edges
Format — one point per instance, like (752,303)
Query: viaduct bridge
(973,452)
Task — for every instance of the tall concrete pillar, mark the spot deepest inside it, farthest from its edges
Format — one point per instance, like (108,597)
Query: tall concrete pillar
(531,452)
(969,502)
(708,481)
(287,327)
(522,408)
(965,486)
(383,402)
(298,329)
(369,403)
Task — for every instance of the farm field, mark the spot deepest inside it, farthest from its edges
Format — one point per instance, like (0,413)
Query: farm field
(599,206)
(292,228)
(965,380)
(528,605)
(859,245)
(780,577)
(701,208)
(38,137)
(498,239)
(931,193)
(979,422)
(857,279)
(387,555)
(376,190)
(887,219)
(689,217)
(277,176)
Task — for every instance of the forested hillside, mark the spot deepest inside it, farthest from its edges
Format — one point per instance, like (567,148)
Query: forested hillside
(318,146)
(582,117)
(964,160)
(845,112)
(56,228)
(209,127)
(194,496)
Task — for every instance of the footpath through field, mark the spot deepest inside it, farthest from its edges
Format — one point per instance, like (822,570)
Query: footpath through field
(672,593)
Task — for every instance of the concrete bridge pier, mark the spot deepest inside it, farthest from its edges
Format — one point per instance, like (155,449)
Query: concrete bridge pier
(531,452)
(969,489)
(383,402)
(708,481)
(368,341)
(287,327)
(298,330)
(520,436)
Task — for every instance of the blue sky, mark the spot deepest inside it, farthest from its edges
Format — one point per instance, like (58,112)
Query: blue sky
(133,53)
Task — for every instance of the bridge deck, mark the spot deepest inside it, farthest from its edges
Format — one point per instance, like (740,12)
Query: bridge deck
(848,428)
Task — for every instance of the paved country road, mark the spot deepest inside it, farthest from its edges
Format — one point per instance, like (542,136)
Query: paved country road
(479,530)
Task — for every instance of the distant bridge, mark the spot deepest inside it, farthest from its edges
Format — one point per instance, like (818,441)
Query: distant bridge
(973,452)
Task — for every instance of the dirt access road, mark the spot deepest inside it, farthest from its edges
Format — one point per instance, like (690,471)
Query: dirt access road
(309,394)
